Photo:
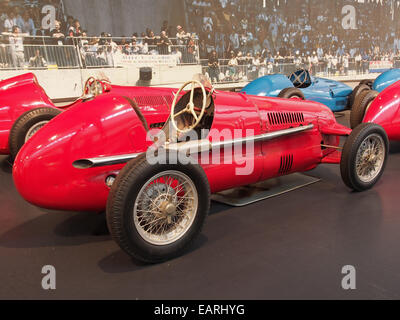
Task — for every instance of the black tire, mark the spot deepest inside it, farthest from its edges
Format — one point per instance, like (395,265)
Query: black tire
(369,83)
(356,92)
(360,107)
(349,156)
(289,93)
(24,123)
(120,204)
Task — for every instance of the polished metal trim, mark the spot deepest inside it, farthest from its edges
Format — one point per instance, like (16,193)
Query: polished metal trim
(104,161)
(205,145)
(265,136)
(191,147)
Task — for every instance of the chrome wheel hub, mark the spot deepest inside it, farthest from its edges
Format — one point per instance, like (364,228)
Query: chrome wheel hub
(370,158)
(165,208)
(34,129)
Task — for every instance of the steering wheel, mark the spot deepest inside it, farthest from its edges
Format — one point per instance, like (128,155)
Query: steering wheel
(92,87)
(190,107)
(299,78)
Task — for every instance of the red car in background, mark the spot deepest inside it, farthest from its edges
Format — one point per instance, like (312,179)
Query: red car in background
(380,108)
(25,107)
(110,153)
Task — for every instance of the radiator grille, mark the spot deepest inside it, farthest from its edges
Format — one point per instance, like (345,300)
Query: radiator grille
(153,100)
(280,118)
(286,164)
(169,100)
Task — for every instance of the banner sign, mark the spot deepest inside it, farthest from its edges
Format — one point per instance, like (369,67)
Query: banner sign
(380,66)
(148,60)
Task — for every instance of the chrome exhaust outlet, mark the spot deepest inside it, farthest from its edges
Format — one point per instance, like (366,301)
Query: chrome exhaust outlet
(103,161)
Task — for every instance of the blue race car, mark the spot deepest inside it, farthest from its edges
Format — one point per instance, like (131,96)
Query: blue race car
(385,80)
(300,84)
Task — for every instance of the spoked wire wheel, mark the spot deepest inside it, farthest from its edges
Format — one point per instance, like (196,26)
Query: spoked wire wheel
(156,211)
(27,125)
(165,207)
(370,158)
(364,156)
(35,128)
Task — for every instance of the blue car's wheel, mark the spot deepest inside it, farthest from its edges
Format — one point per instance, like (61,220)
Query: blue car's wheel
(369,83)
(356,92)
(290,93)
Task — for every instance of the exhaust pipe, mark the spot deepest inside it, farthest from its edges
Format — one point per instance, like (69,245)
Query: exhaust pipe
(103,161)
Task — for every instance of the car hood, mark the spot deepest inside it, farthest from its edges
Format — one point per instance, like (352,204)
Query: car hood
(337,89)
(106,126)
(267,86)
(386,79)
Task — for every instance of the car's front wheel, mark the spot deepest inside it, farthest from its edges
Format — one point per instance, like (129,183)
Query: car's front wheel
(364,156)
(156,211)
(27,125)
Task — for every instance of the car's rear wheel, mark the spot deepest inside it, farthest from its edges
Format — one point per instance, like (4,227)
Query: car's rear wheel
(364,156)
(356,92)
(155,212)
(27,125)
(291,93)
(361,106)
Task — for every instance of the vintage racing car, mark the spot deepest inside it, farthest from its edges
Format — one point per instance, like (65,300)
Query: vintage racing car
(380,108)
(369,91)
(300,84)
(25,107)
(153,168)
(383,81)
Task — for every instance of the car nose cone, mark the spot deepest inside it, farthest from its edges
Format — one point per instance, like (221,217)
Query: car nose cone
(37,171)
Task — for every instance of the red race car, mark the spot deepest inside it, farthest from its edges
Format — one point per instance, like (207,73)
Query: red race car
(25,107)
(153,168)
(379,108)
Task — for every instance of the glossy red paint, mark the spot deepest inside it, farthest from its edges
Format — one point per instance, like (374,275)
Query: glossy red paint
(23,93)
(108,126)
(384,111)
(17,96)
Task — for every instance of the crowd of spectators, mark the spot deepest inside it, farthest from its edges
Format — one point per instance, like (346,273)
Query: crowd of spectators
(307,33)
(20,25)
(249,67)
(171,40)
(291,26)
(26,15)
(21,28)
(233,37)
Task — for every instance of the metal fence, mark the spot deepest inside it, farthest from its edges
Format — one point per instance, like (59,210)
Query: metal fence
(19,51)
(38,57)
(226,73)
(22,52)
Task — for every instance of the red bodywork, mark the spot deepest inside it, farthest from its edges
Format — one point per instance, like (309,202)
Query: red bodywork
(108,126)
(17,96)
(23,93)
(384,111)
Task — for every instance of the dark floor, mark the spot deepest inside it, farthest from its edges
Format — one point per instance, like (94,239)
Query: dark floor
(290,247)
